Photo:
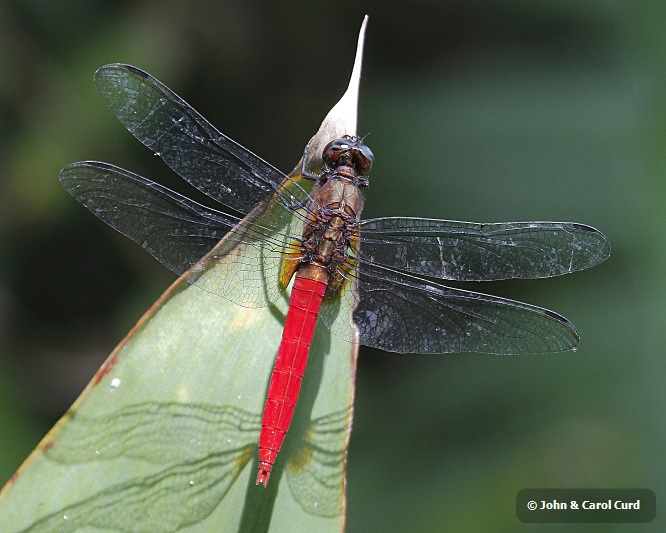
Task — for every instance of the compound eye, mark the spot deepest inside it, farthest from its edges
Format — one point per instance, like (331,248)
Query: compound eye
(334,150)
(363,159)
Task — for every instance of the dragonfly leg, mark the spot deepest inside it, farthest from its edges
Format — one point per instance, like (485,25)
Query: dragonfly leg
(295,205)
(304,171)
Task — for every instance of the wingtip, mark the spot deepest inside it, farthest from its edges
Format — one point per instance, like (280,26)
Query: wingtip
(106,73)
(604,247)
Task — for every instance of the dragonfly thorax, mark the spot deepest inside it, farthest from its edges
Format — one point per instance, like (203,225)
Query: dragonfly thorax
(332,226)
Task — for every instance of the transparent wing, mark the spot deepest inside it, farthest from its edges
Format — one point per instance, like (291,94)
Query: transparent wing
(401,313)
(188,237)
(467,251)
(315,474)
(396,311)
(188,143)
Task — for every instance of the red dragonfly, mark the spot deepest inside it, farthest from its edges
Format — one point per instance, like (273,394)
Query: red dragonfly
(371,268)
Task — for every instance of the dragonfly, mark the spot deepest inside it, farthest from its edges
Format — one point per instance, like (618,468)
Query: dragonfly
(304,231)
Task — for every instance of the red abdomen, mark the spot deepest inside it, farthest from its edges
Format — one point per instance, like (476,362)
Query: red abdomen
(306,297)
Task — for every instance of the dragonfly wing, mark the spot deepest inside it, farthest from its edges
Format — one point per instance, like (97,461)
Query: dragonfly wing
(467,251)
(401,313)
(186,141)
(185,236)
(317,484)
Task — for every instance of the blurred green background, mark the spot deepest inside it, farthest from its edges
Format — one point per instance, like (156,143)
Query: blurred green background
(477,110)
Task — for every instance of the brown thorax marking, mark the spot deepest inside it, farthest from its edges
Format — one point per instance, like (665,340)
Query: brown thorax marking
(332,225)
(330,234)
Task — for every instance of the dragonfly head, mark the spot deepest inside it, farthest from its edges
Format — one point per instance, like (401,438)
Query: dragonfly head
(349,151)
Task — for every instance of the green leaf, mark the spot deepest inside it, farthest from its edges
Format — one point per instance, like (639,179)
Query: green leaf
(165,436)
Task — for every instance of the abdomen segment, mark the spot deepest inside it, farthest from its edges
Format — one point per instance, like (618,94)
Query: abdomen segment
(306,297)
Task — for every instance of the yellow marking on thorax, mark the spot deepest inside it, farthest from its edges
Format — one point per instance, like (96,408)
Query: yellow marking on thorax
(289,265)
